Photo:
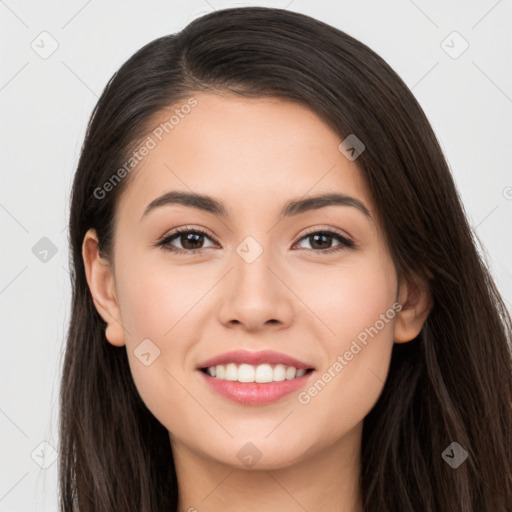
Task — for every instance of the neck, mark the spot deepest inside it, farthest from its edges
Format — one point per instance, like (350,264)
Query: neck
(327,480)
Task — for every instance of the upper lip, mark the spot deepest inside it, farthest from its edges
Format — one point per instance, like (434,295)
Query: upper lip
(254,358)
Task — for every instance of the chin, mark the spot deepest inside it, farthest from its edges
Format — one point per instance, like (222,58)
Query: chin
(260,454)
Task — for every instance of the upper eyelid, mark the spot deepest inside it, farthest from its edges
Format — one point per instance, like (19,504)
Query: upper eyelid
(336,231)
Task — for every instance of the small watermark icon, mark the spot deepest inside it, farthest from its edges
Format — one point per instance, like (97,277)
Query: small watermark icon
(507,193)
(44,250)
(249,455)
(454,455)
(44,45)
(454,45)
(44,455)
(351,147)
(249,249)
(146,352)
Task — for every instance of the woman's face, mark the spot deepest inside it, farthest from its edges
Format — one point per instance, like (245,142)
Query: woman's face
(260,282)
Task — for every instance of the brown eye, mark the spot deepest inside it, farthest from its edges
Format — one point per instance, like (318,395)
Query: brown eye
(191,241)
(321,241)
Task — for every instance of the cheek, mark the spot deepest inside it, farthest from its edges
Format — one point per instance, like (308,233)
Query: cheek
(355,306)
(348,298)
(155,296)
(158,304)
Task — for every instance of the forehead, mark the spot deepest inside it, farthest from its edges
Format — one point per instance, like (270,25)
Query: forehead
(252,153)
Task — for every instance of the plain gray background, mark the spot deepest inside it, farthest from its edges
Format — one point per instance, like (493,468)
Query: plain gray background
(45,104)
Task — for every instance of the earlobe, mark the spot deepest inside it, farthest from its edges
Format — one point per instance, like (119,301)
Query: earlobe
(100,279)
(417,303)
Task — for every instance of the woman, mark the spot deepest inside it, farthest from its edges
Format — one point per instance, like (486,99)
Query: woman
(217,357)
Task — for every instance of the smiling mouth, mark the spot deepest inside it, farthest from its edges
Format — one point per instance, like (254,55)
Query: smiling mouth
(262,373)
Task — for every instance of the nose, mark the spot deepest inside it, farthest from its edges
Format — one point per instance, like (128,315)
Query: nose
(256,295)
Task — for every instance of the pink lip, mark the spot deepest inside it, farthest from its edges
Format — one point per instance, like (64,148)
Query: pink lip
(254,393)
(254,358)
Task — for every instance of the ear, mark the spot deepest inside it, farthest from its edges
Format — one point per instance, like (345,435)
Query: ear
(100,278)
(417,303)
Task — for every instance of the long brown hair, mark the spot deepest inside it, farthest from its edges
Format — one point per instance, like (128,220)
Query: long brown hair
(453,383)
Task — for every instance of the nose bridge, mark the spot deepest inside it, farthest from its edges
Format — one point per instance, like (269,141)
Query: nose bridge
(252,261)
(255,294)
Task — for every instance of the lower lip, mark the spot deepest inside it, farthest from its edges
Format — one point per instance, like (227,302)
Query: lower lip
(255,393)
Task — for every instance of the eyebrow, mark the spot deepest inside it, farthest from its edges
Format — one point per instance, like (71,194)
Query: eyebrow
(293,207)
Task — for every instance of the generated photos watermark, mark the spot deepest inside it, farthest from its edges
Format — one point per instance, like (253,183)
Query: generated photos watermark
(145,148)
(304,397)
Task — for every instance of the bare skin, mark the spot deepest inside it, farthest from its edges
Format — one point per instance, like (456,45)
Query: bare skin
(255,155)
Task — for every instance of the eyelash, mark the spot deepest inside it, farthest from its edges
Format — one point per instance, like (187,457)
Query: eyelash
(164,243)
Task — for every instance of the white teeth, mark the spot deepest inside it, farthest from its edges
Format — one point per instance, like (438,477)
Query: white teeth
(290,372)
(279,372)
(249,373)
(264,373)
(246,373)
(231,372)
